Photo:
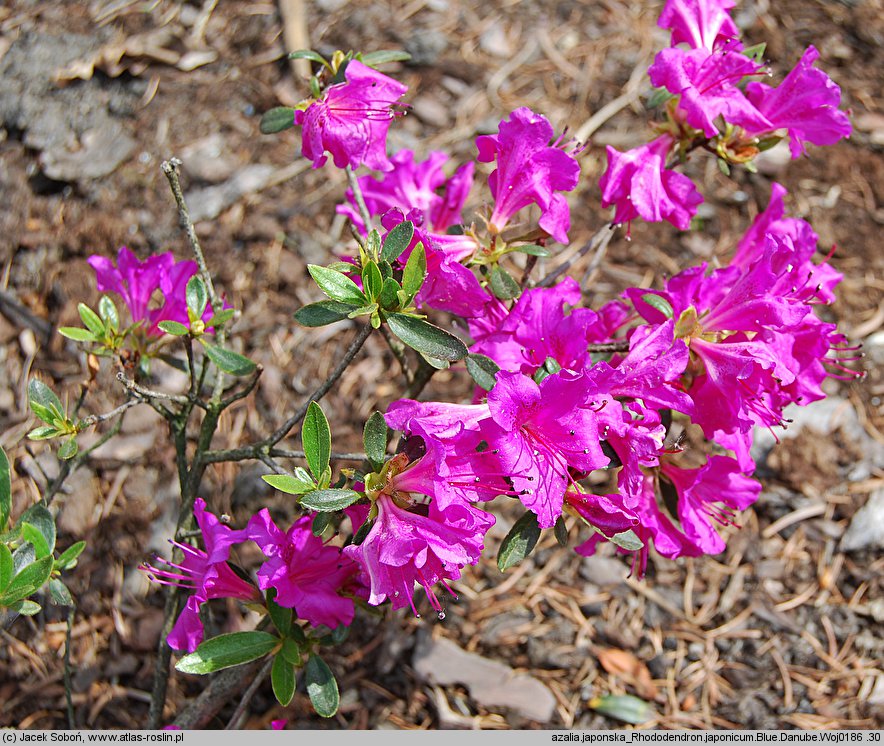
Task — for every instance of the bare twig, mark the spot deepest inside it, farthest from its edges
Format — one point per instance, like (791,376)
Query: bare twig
(622,346)
(246,390)
(359,199)
(599,242)
(145,393)
(221,688)
(94,419)
(239,714)
(398,350)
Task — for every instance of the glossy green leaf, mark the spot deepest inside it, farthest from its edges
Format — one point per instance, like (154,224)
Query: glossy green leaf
(7,568)
(316,439)
(561,532)
(77,333)
(374,439)
(657,302)
(175,328)
(624,707)
(389,297)
(282,676)
(372,281)
(657,97)
(627,540)
(415,271)
(44,432)
(59,593)
(33,535)
(289,484)
(532,249)
(229,361)
(28,580)
(280,615)
(483,370)
(44,403)
(426,338)
(25,607)
(41,519)
(329,500)
(397,241)
(277,119)
(68,449)
(372,59)
(321,687)
(519,542)
(336,285)
(228,650)
(197,296)
(321,521)
(68,558)
(91,319)
(222,317)
(107,310)
(503,285)
(291,651)
(324,312)
(373,244)
(5,491)
(307,54)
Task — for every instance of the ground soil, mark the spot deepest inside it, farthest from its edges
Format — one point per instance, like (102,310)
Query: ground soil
(781,631)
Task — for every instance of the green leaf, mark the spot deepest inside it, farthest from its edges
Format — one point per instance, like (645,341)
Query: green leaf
(291,651)
(23,556)
(324,312)
(561,532)
(222,317)
(28,580)
(329,500)
(44,403)
(373,244)
(657,97)
(289,484)
(321,687)
(659,303)
(277,119)
(483,370)
(32,534)
(336,285)
(7,568)
(228,650)
(25,608)
(503,285)
(533,249)
(229,361)
(91,319)
(197,296)
(316,439)
(321,521)
(77,334)
(627,540)
(108,312)
(389,297)
(174,328)
(307,54)
(519,542)
(374,439)
(5,491)
(282,676)
(362,311)
(68,449)
(373,59)
(755,52)
(426,338)
(623,707)
(68,558)
(372,281)
(415,271)
(280,615)
(43,432)
(59,593)
(397,241)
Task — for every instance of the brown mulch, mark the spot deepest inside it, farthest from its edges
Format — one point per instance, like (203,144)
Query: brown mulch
(783,630)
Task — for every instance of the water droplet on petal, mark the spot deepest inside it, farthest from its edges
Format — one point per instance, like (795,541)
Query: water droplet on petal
(441,616)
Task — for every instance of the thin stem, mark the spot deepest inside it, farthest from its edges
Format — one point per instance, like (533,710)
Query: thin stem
(398,350)
(285,453)
(621,346)
(94,419)
(244,392)
(359,199)
(420,379)
(72,720)
(599,242)
(145,393)
(239,713)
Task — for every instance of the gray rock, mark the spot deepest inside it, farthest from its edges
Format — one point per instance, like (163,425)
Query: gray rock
(491,684)
(866,529)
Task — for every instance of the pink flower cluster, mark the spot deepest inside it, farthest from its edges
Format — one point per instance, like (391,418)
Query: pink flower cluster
(309,575)
(704,70)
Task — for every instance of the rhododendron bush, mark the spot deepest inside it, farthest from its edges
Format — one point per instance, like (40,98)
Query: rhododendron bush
(663,387)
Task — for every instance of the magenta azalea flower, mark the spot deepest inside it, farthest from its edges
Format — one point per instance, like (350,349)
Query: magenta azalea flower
(308,574)
(539,433)
(805,104)
(206,573)
(351,120)
(710,493)
(417,543)
(707,84)
(529,171)
(638,184)
(698,23)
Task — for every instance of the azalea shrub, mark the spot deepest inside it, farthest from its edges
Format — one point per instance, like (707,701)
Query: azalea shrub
(663,387)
